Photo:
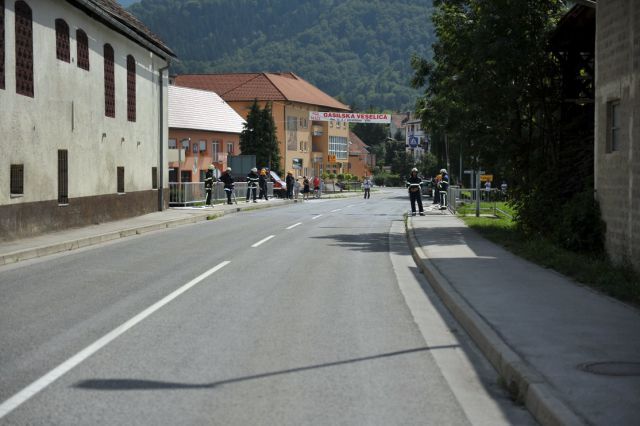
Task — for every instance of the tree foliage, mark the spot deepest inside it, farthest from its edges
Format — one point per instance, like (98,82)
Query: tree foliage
(355,50)
(494,89)
(259,137)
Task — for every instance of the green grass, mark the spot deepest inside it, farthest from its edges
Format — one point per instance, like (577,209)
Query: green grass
(595,271)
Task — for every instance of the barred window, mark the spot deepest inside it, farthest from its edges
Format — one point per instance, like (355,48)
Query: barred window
(120,188)
(1,44)
(131,88)
(17,179)
(24,49)
(63,49)
(109,82)
(63,176)
(154,178)
(82,47)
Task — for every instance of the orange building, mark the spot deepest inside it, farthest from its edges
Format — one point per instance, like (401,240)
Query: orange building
(305,146)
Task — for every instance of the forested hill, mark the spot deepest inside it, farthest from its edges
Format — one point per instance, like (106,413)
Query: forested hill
(356,50)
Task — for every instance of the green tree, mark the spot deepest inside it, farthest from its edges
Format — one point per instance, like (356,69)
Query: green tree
(259,137)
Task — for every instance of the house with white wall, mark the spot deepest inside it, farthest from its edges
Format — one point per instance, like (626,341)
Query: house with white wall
(83,91)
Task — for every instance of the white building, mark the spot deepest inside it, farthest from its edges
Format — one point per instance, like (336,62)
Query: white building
(83,117)
(416,139)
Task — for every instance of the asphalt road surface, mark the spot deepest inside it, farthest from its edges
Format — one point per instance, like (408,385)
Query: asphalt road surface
(312,313)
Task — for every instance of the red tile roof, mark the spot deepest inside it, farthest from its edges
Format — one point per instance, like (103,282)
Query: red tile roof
(357,145)
(261,86)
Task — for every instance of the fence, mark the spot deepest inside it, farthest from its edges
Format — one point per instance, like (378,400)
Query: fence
(193,193)
(464,200)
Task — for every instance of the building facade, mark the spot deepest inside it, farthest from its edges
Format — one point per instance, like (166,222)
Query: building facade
(203,130)
(617,129)
(361,161)
(83,102)
(306,148)
(416,138)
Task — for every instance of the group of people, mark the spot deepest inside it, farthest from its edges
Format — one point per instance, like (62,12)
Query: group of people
(414,184)
(294,186)
(254,181)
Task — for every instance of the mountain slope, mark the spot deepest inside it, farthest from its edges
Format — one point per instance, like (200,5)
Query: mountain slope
(356,50)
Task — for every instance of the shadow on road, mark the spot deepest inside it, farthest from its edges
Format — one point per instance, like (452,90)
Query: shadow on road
(138,384)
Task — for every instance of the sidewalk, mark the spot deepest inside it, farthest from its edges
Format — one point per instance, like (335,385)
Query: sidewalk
(571,355)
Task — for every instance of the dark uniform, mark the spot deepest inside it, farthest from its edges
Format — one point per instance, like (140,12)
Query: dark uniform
(443,187)
(208,185)
(252,183)
(227,179)
(290,181)
(415,195)
(262,181)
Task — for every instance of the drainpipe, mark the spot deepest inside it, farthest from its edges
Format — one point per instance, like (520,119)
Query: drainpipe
(161,138)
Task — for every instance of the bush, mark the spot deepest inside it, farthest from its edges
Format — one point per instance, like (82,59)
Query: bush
(378,180)
(393,180)
(340,177)
(579,226)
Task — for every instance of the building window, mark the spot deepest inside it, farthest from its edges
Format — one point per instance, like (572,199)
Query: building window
(215,148)
(63,176)
(82,47)
(195,148)
(173,144)
(63,49)
(24,49)
(185,176)
(185,144)
(613,126)
(154,178)
(109,83)
(203,146)
(203,175)
(292,123)
(120,173)
(229,147)
(17,179)
(1,44)
(338,147)
(131,88)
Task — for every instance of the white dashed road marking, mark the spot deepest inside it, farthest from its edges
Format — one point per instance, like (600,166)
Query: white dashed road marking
(264,240)
(294,225)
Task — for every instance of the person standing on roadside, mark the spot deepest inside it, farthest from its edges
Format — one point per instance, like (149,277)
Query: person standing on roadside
(262,180)
(208,183)
(366,185)
(415,196)
(306,188)
(227,179)
(252,183)
(443,187)
(290,181)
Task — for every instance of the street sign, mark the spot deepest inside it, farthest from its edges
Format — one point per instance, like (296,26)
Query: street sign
(413,141)
(484,178)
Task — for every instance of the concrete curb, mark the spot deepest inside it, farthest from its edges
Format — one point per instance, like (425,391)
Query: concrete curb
(524,383)
(35,252)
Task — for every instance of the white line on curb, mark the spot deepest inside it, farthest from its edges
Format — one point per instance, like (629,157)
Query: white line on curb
(294,225)
(25,394)
(263,241)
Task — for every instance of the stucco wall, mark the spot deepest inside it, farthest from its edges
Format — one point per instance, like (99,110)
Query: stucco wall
(618,172)
(67,112)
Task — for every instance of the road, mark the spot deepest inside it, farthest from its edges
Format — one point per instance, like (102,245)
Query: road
(312,313)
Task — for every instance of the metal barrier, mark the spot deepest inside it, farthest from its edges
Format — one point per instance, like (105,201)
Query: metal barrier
(464,200)
(193,193)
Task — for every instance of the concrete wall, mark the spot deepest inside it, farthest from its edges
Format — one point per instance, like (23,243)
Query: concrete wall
(67,112)
(617,173)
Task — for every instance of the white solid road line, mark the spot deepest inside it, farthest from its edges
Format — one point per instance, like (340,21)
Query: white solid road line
(315,217)
(25,394)
(294,225)
(264,240)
